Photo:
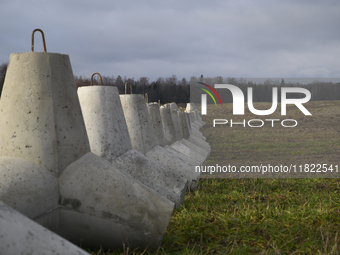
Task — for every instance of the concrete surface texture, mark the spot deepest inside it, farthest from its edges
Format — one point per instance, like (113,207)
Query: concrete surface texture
(138,214)
(20,235)
(154,175)
(168,125)
(153,109)
(109,138)
(189,136)
(40,122)
(140,129)
(196,137)
(48,172)
(198,119)
(28,188)
(177,125)
(156,120)
(104,120)
(137,118)
(201,147)
(184,124)
(171,138)
(191,107)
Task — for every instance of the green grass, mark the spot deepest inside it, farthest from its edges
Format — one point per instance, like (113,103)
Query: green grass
(262,216)
(255,216)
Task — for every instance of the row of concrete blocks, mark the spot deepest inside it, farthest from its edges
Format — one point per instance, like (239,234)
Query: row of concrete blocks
(113,181)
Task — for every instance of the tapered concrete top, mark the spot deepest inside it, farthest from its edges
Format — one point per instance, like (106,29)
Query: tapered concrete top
(173,106)
(177,125)
(168,125)
(188,120)
(20,235)
(191,107)
(156,119)
(104,119)
(40,116)
(184,124)
(139,124)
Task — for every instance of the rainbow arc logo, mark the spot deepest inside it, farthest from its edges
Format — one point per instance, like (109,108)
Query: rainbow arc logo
(213,90)
(204,97)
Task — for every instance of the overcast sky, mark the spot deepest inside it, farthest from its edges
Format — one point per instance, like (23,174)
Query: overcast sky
(153,38)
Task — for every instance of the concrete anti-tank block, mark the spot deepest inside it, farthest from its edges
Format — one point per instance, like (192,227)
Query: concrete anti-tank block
(191,107)
(109,138)
(149,171)
(205,146)
(167,151)
(43,131)
(28,188)
(20,235)
(200,143)
(195,136)
(184,124)
(171,138)
(155,116)
(141,130)
(156,119)
(134,212)
(40,119)
(137,120)
(104,121)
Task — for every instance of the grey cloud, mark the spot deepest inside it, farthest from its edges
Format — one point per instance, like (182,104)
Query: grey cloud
(186,38)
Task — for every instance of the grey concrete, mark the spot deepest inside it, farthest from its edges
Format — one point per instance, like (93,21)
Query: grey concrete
(104,120)
(152,172)
(48,172)
(198,119)
(177,125)
(125,209)
(195,131)
(156,120)
(184,124)
(28,188)
(186,130)
(153,109)
(109,138)
(171,138)
(142,132)
(195,136)
(168,125)
(20,235)
(202,145)
(191,107)
(40,120)
(138,121)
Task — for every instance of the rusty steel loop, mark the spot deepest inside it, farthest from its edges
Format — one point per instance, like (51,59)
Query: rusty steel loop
(101,81)
(43,38)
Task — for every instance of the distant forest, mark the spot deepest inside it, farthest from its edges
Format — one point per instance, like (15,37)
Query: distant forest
(262,92)
(172,89)
(166,90)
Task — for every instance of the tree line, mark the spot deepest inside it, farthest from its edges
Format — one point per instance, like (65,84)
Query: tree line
(262,92)
(172,89)
(166,90)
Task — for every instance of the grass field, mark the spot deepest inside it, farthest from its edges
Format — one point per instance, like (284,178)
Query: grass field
(262,215)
